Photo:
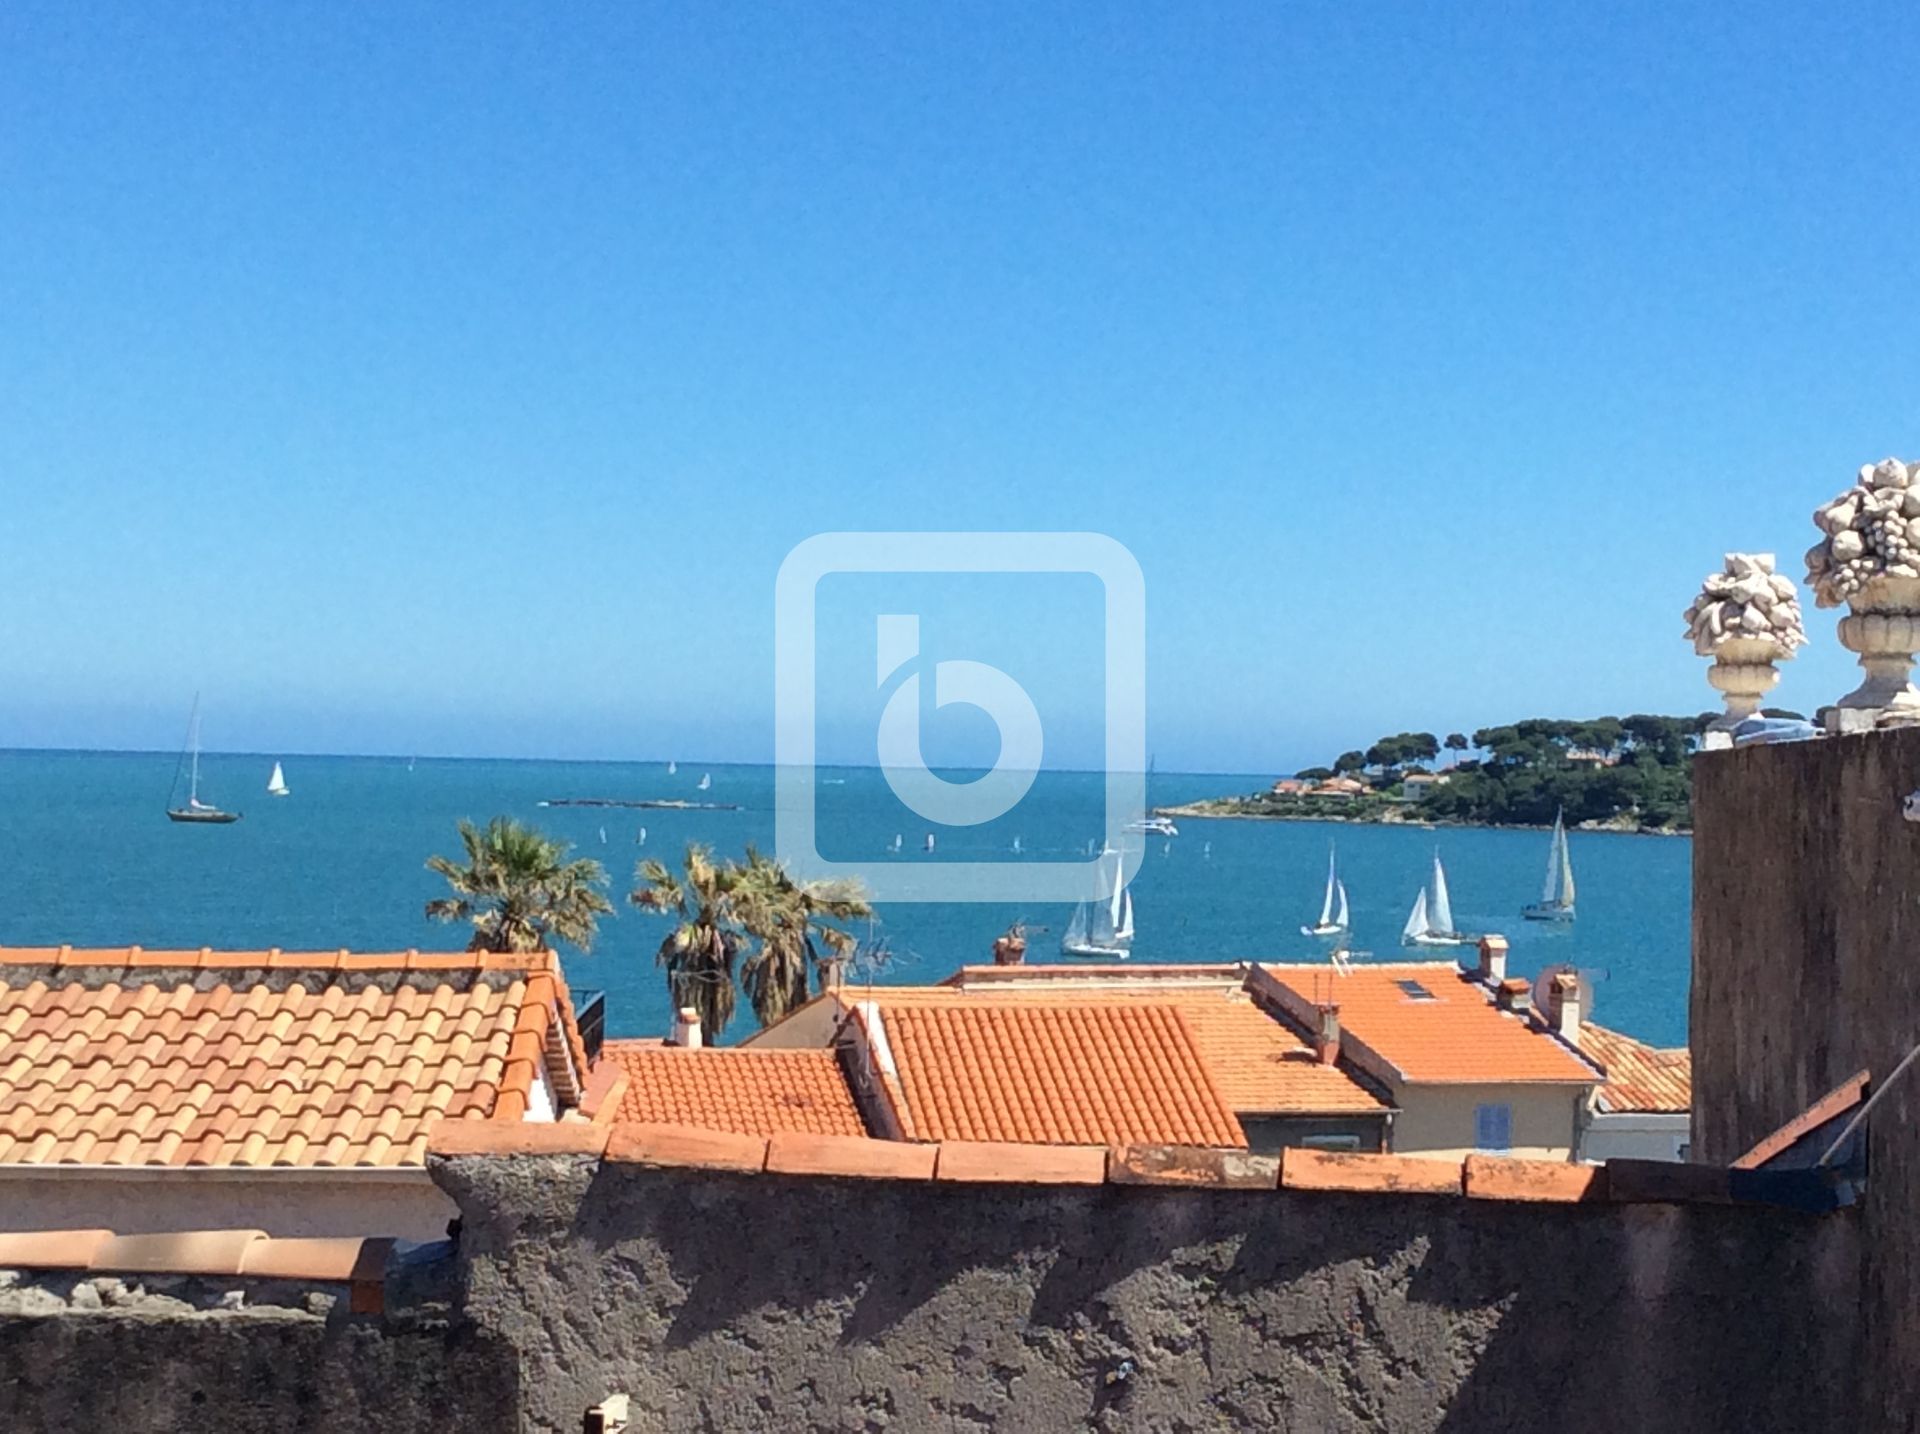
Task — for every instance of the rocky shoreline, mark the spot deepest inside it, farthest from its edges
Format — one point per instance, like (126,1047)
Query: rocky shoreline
(1218,809)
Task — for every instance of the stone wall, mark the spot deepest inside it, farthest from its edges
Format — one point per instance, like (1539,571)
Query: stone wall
(1806,969)
(762,1302)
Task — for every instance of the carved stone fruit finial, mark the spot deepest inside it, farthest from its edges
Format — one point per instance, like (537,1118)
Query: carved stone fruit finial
(1746,618)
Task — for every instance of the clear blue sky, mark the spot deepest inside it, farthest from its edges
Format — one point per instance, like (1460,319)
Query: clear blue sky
(454,378)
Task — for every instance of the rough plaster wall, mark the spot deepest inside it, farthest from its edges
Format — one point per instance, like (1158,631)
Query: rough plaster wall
(750,1303)
(237,1373)
(413,1210)
(1806,968)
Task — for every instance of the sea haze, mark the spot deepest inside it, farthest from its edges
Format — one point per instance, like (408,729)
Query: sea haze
(89,858)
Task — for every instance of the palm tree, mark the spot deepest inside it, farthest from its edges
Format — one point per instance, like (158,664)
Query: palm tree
(699,953)
(519,890)
(787,918)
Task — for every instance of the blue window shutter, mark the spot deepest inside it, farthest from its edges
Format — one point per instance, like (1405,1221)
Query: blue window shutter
(1493,1127)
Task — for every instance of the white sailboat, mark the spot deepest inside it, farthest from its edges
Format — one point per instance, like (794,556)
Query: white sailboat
(277,783)
(705,782)
(1333,906)
(1103,929)
(1430,923)
(1556,892)
(672,767)
(898,842)
(929,845)
(195,811)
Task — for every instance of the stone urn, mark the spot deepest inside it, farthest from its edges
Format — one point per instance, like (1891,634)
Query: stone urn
(1883,628)
(1868,558)
(1746,618)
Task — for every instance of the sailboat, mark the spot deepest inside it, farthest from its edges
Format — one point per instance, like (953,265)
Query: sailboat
(1556,892)
(277,783)
(672,767)
(195,810)
(898,842)
(1102,929)
(1333,907)
(706,781)
(1430,923)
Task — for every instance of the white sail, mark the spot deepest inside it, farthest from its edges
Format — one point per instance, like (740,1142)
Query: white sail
(1076,935)
(1442,910)
(1326,905)
(1566,871)
(1123,933)
(672,767)
(1550,884)
(277,783)
(706,780)
(1341,920)
(1417,923)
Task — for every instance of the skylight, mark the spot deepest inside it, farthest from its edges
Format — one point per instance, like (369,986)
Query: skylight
(1415,991)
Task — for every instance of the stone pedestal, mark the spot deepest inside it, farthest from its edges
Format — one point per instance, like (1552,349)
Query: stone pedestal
(1884,629)
(1743,673)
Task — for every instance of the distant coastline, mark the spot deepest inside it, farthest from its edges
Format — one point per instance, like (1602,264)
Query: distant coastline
(1241,809)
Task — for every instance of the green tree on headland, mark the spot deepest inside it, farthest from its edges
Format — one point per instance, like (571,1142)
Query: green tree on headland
(518,889)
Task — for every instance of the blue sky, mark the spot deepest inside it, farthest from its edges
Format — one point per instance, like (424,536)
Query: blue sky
(454,379)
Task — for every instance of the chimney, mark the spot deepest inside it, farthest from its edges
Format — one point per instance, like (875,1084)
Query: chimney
(1513,994)
(1326,1042)
(1563,1005)
(1493,960)
(686,1029)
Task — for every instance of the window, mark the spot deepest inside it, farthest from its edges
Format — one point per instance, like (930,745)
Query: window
(1331,1142)
(1415,991)
(1493,1127)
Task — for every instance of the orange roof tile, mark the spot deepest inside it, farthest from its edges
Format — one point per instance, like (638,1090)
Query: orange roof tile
(1427,1022)
(105,1061)
(1640,1078)
(1053,1073)
(1259,1063)
(744,1092)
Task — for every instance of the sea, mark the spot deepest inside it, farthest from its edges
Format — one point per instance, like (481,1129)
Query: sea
(88,858)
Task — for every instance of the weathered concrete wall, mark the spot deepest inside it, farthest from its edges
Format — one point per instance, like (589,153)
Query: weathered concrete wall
(155,1364)
(743,1302)
(1806,968)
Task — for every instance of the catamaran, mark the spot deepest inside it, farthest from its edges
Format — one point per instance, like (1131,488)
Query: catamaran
(1556,892)
(195,810)
(1333,907)
(1102,929)
(277,783)
(1430,923)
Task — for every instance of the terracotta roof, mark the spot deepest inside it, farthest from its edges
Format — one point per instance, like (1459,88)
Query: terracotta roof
(1054,1073)
(1259,1063)
(1640,1077)
(747,1092)
(129,1057)
(1427,1022)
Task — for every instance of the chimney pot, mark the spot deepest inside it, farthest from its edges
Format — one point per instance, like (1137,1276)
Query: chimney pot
(1513,994)
(686,1028)
(1493,959)
(1563,1005)
(1326,1043)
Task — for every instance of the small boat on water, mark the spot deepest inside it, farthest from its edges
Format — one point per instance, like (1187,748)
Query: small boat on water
(672,767)
(195,811)
(277,783)
(1102,930)
(1430,923)
(929,845)
(1556,892)
(1154,826)
(705,783)
(1333,906)
(897,843)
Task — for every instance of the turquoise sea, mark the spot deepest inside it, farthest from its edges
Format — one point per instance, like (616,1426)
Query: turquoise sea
(87,857)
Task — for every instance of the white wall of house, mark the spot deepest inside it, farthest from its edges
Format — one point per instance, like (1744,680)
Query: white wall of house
(130,1201)
(1637,1136)
(1445,1120)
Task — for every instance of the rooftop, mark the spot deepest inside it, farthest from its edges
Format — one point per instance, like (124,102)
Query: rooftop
(1260,1064)
(269,1058)
(748,1092)
(1641,1079)
(1052,1073)
(1428,1022)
